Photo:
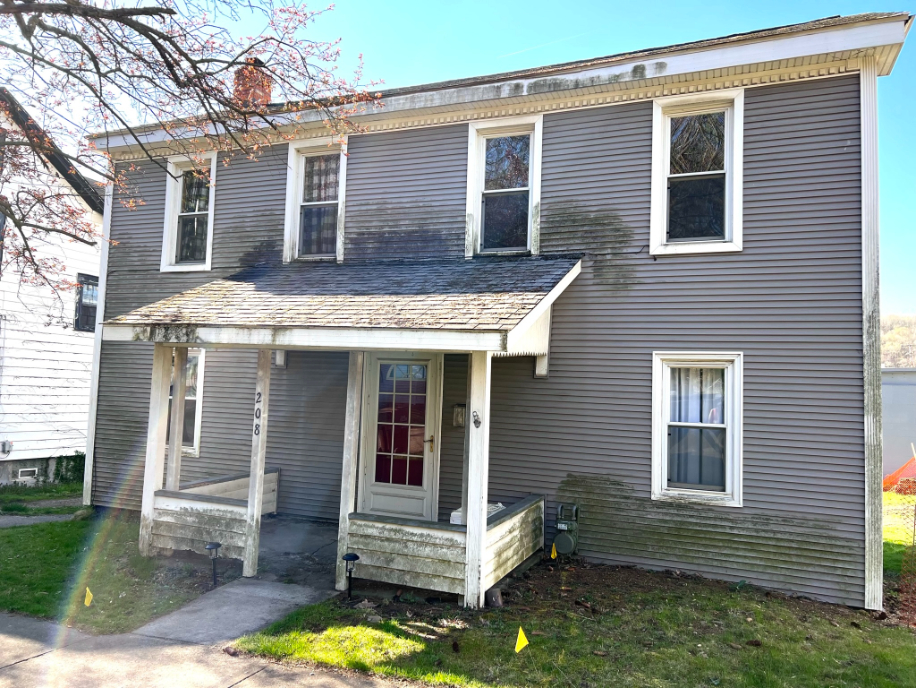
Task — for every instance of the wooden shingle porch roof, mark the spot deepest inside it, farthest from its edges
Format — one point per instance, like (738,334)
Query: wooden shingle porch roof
(484,303)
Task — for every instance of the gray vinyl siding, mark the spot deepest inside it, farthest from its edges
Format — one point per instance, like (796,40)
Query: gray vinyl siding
(406,194)
(451,452)
(791,301)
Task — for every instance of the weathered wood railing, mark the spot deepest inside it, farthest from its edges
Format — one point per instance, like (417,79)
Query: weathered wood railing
(212,510)
(421,554)
(513,535)
(433,556)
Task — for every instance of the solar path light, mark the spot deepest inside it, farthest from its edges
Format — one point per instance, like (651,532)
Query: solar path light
(351,558)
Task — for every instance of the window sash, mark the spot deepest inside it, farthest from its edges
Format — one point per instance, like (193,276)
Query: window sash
(303,160)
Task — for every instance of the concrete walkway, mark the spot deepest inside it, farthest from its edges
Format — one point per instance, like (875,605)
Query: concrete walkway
(181,649)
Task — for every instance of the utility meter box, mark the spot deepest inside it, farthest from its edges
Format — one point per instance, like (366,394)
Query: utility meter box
(567,538)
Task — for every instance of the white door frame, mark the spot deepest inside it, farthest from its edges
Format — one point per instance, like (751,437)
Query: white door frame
(369,417)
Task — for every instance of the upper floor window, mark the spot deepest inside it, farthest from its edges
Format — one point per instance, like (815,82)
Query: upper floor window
(504,180)
(315,200)
(696,438)
(189,195)
(87,301)
(697,174)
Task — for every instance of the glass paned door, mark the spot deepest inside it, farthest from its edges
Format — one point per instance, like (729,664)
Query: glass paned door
(400,448)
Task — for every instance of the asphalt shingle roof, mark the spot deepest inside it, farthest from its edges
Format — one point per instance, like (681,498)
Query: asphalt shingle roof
(481,294)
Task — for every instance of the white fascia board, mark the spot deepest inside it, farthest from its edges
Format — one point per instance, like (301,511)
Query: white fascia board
(516,339)
(328,338)
(765,50)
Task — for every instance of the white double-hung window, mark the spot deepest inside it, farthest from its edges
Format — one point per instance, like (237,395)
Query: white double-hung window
(697,178)
(696,427)
(189,198)
(315,200)
(504,186)
(193,404)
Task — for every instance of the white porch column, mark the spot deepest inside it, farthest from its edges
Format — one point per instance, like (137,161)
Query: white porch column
(478,420)
(173,467)
(155,441)
(350,455)
(258,459)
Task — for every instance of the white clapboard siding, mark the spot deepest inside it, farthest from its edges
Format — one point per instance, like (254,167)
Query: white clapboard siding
(45,369)
(186,522)
(236,487)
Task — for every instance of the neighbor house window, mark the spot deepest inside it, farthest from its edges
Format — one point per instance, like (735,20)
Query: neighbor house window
(696,438)
(189,216)
(696,174)
(504,186)
(87,301)
(315,200)
(193,406)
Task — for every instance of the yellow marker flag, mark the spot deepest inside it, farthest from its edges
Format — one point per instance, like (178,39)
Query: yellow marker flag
(88,597)
(522,641)
(553,551)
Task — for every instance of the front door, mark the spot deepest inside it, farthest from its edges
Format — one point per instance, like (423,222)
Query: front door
(400,446)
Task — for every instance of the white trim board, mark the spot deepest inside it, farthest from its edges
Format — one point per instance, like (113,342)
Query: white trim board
(871,337)
(97,350)
(792,54)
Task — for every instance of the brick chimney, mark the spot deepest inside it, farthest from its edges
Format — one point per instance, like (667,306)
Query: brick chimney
(252,84)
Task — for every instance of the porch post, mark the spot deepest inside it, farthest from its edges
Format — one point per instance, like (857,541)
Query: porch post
(258,458)
(173,467)
(478,420)
(155,441)
(350,454)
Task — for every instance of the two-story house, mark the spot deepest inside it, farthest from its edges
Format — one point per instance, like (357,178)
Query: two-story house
(643,285)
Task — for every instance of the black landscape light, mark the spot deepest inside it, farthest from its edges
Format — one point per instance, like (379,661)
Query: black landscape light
(213,549)
(351,558)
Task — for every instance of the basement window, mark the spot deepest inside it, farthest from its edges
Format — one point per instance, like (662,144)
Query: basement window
(696,439)
(193,404)
(696,174)
(504,186)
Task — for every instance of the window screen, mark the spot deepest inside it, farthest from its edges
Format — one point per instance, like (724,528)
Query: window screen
(506,193)
(696,429)
(696,180)
(318,209)
(193,217)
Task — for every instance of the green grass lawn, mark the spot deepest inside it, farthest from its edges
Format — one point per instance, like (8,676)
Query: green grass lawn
(635,628)
(18,499)
(898,529)
(45,569)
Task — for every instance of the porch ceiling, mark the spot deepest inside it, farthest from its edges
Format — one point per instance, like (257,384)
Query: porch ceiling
(485,304)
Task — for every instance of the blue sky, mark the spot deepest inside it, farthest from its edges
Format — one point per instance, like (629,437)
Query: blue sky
(411,42)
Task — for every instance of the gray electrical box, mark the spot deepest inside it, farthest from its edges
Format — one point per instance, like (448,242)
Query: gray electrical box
(567,538)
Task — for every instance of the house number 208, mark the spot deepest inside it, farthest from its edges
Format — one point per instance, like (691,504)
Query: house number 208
(257,413)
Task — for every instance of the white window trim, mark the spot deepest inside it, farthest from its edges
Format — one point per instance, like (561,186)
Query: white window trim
(299,149)
(733,362)
(199,409)
(662,110)
(478,133)
(176,166)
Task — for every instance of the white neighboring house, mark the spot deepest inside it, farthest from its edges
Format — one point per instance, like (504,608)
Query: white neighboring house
(46,369)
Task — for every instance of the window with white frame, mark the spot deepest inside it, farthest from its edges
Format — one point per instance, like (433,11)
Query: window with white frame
(696,435)
(697,178)
(193,405)
(504,186)
(188,241)
(315,200)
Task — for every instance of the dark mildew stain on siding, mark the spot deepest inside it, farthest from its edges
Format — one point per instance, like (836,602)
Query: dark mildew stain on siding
(771,550)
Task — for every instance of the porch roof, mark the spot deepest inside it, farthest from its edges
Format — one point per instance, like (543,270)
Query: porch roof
(480,304)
